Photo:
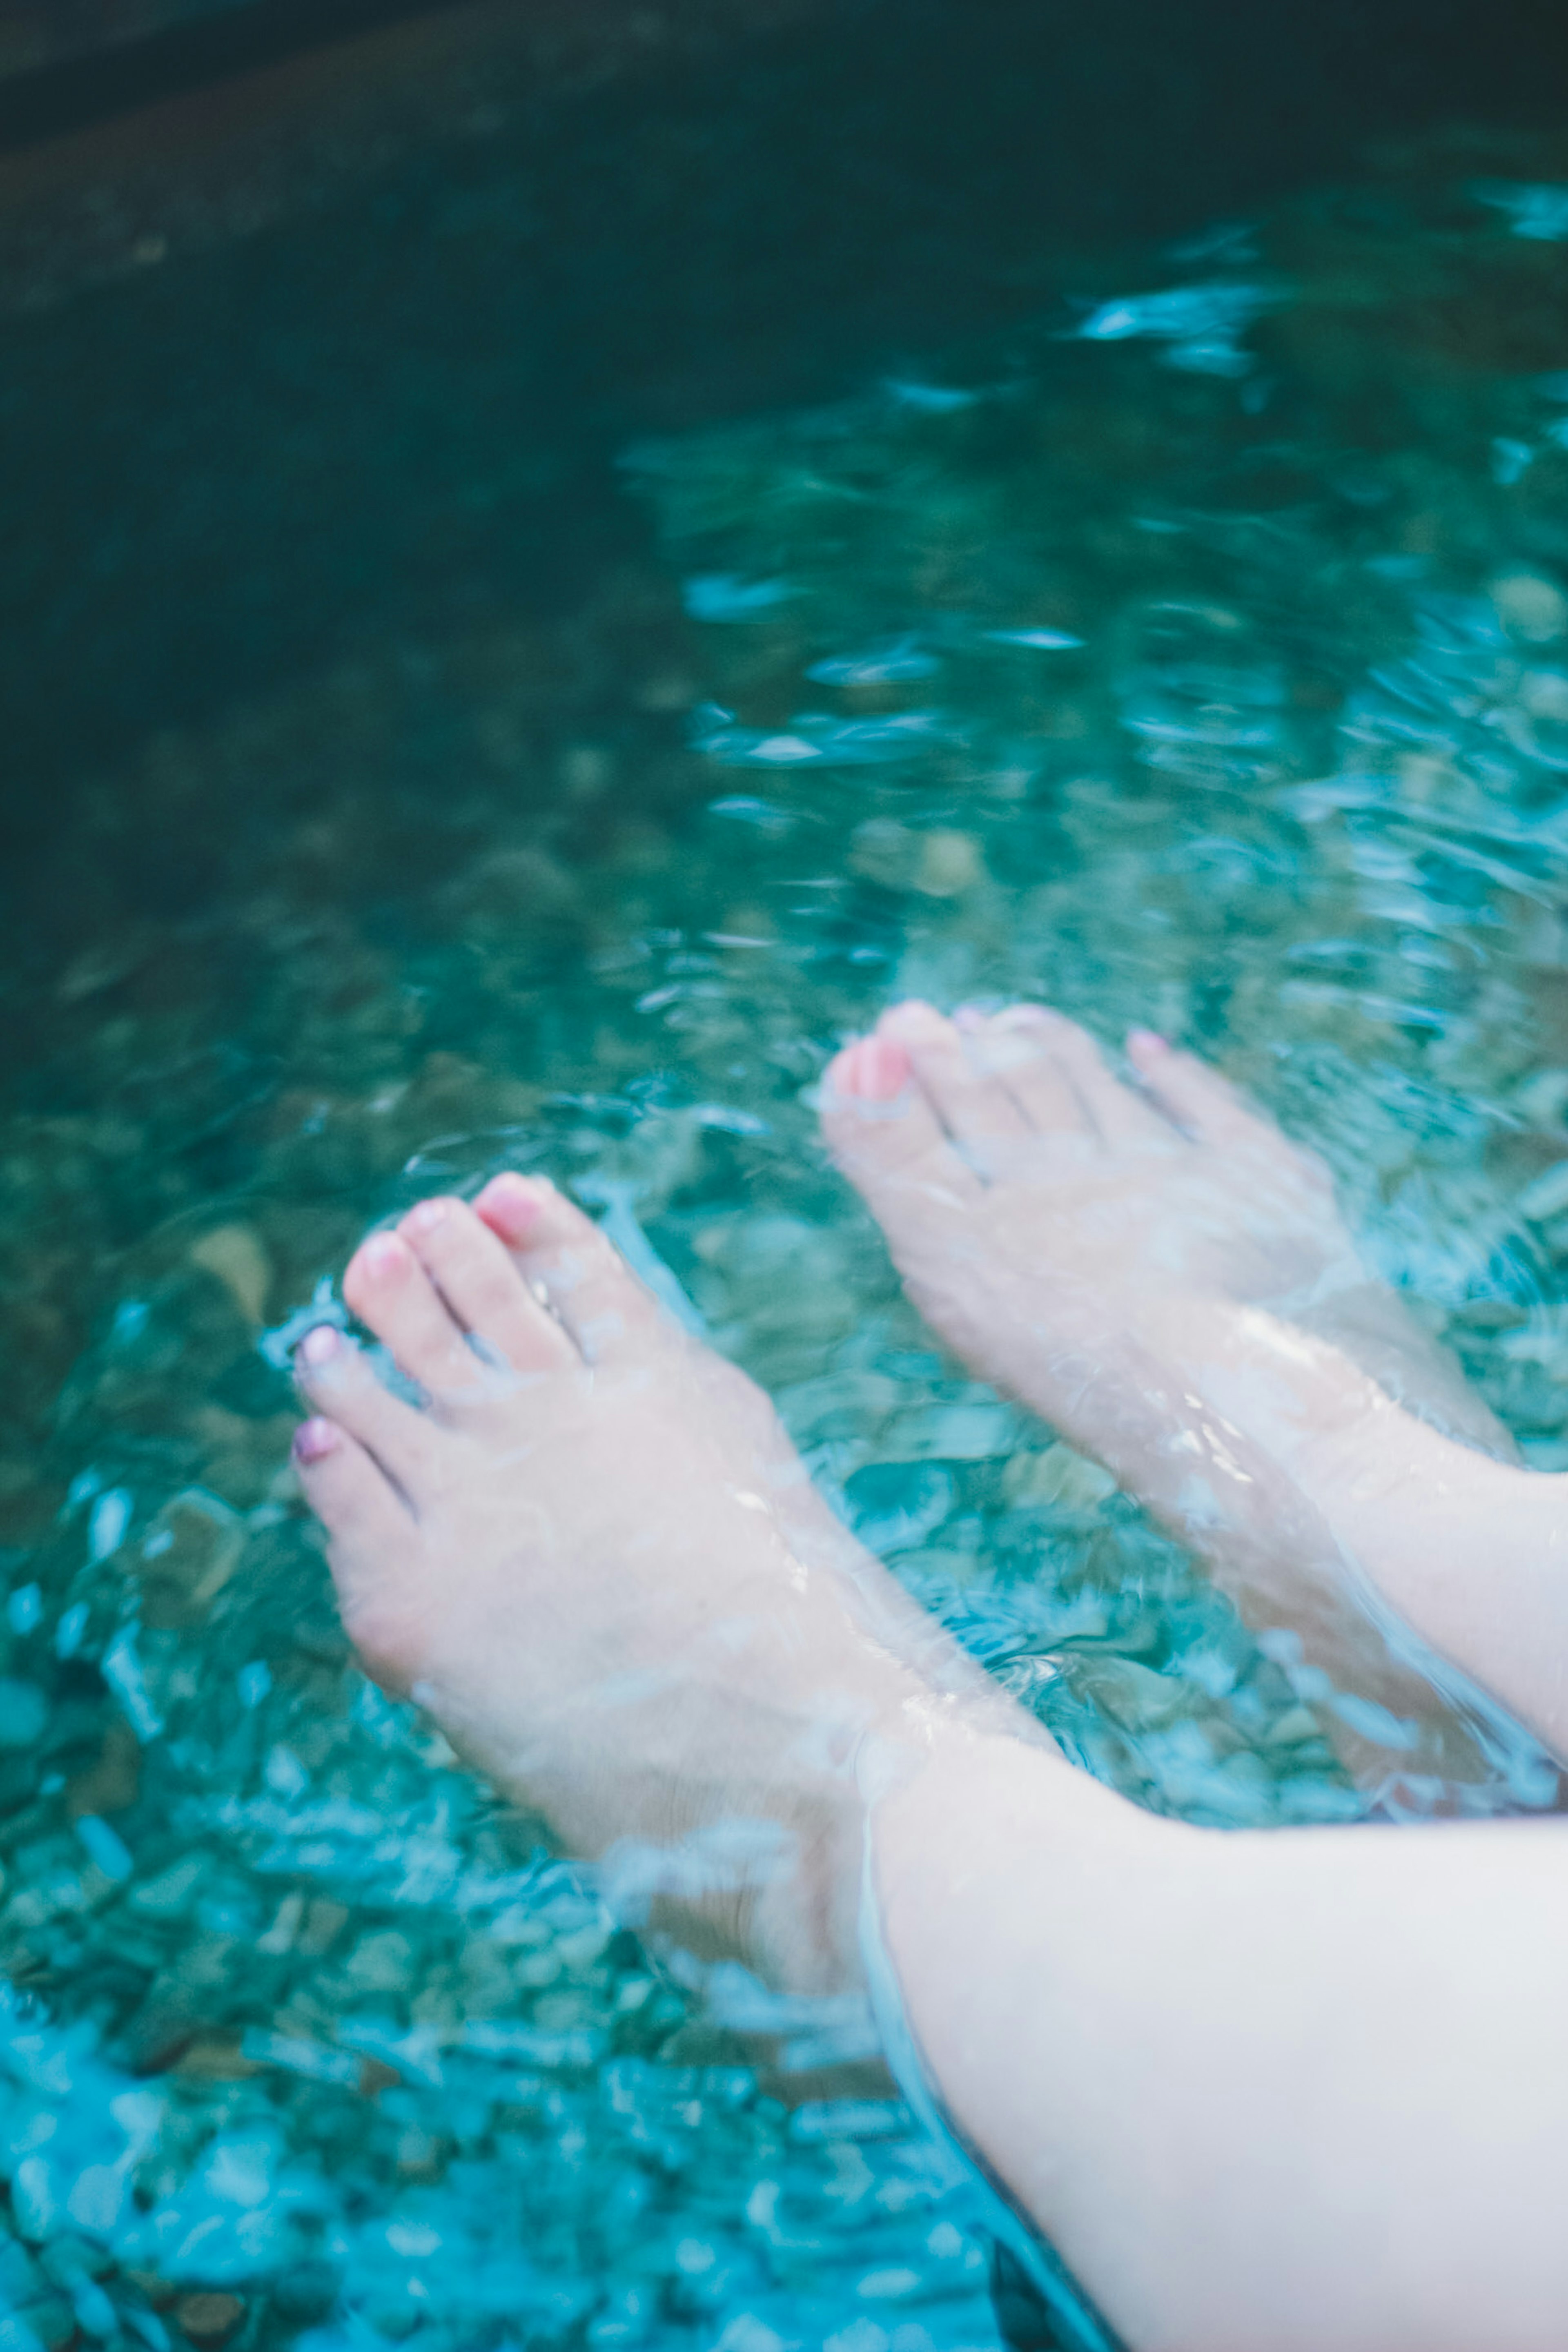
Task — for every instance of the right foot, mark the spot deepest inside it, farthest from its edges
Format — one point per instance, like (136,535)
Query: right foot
(594,1555)
(1002,1154)
(1161,1275)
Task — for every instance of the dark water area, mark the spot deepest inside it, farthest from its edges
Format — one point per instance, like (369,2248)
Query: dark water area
(510,658)
(400,407)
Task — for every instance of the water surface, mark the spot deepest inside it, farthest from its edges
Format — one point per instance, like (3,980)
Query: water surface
(1195,655)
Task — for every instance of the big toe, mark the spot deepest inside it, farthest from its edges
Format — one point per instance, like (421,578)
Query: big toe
(884,1130)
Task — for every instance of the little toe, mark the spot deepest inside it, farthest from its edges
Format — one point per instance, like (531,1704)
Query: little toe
(394,1296)
(484,1288)
(1114,1112)
(562,1258)
(976,1108)
(338,1382)
(883,1129)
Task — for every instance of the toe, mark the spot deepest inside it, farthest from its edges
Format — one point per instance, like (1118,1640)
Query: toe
(975,1107)
(883,1129)
(1016,1047)
(1072,1062)
(1207,1107)
(339,1383)
(394,1296)
(367,1522)
(560,1256)
(485,1287)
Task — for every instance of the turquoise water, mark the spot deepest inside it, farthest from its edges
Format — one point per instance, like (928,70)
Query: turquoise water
(1197,656)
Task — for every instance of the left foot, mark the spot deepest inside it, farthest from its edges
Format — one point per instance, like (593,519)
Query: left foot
(596,1558)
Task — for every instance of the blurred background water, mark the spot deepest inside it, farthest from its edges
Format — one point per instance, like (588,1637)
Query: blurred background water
(523,628)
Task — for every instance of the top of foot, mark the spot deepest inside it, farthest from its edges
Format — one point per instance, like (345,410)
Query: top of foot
(1044,1212)
(593,1554)
(1161,1275)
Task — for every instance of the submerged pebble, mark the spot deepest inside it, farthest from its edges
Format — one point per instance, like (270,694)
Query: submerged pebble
(24,1712)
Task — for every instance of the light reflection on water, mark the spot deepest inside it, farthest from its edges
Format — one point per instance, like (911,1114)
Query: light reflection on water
(1200,660)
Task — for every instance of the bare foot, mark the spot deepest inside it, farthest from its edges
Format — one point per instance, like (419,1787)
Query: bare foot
(1002,1156)
(1166,1279)
(597,1561)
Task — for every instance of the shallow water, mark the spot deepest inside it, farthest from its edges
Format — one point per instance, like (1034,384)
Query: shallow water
(1198,657)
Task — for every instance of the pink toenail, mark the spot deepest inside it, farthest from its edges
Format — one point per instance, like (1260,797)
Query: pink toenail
(512,1202)
(314,1440)
(881,1070)
(1147,1041)
(320,1346)
(425,1217)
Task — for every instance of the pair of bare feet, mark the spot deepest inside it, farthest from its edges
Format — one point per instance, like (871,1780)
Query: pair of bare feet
(1265,2092)
(596,1558)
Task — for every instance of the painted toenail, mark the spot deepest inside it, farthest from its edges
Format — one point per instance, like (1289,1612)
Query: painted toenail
(320,1346)
(882,1070)
(1147,1041)
(513,1201)
(425,1217)
(514,1189)
(314,1438)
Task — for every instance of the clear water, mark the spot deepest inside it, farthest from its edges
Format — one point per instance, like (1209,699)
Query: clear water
(1196,657)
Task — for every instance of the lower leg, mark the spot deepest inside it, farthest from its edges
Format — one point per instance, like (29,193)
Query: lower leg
(1266,2092)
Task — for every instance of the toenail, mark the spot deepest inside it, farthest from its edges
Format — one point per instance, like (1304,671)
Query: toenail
(313,1440)
(882,1070)
(425,1217)
(384,1253)
(1147,1041)
(319,1346)
(515,1199)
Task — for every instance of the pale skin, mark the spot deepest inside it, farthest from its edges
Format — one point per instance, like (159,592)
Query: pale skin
(1263,2091)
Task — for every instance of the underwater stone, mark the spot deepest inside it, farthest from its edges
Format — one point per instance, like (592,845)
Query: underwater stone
(25,1609)
(1058,1476)
(1547,1197)
(234,1255)
(1529,607)
(951,863)
(24,1712)
(107,1526)
(105,1851)
(209,2319)
(188,1555)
